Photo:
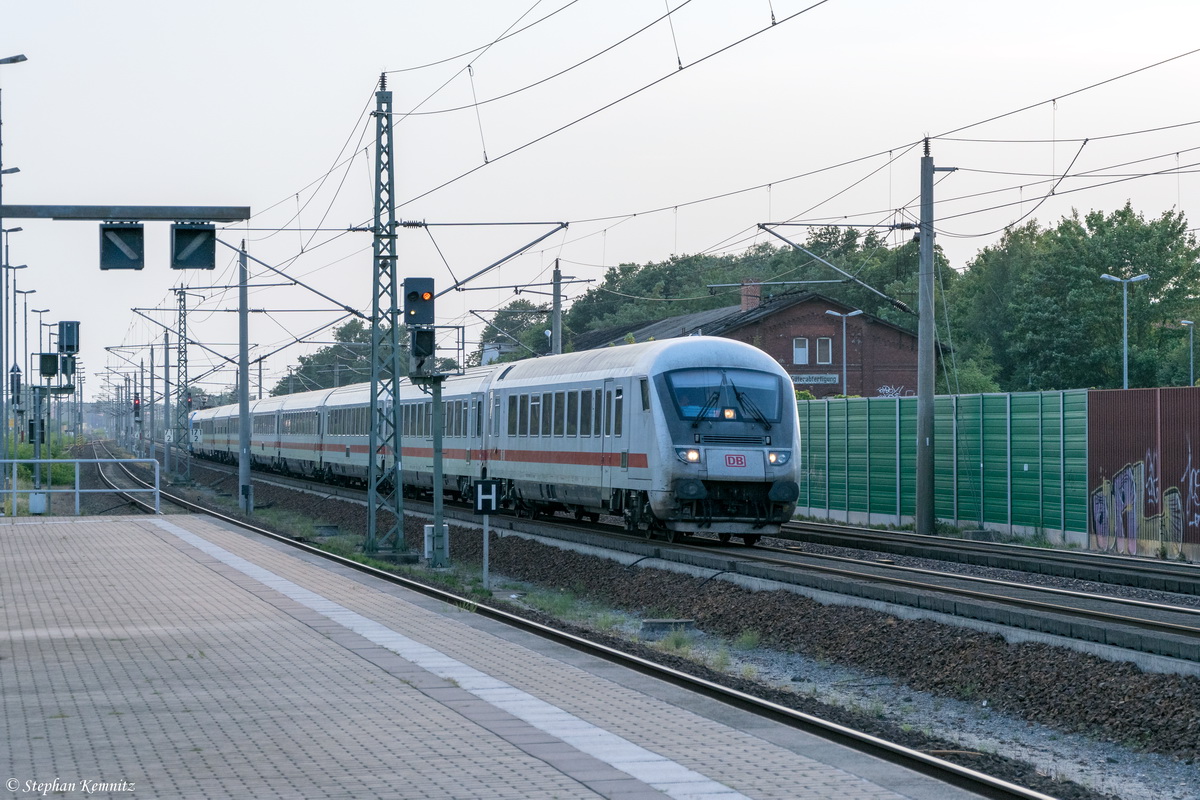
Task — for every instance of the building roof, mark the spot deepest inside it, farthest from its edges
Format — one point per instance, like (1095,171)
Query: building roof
(713,322)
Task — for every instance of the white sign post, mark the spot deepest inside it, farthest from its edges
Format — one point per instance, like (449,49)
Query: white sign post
(487,501)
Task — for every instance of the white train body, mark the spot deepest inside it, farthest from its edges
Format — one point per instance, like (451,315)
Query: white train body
(680,436)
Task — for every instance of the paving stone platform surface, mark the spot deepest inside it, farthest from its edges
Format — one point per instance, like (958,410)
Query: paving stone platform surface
(175,657)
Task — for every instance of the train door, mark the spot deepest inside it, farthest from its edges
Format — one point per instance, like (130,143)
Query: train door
(614,454)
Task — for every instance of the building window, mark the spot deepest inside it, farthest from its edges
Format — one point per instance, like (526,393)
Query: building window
(824,350)
(799,351)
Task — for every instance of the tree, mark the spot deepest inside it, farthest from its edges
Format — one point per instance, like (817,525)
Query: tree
(1034,305)
(346,361)
(981,313)
(517,327)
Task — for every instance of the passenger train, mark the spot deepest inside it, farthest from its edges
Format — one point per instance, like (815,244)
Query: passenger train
(677,437)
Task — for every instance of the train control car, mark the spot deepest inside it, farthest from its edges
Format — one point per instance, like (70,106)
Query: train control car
(677,437)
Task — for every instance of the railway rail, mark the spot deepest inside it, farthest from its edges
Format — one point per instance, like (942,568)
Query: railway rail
(925,763)
(1104,624)
(1141,573)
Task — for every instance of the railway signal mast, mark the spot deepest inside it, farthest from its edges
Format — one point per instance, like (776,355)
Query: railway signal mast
(423,371)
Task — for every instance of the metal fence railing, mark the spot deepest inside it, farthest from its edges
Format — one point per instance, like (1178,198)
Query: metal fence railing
(38,497)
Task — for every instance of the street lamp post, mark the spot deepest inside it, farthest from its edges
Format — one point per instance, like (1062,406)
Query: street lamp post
(17,59)
(39,312)
(21,408)
(33,371)
(845,346)
(25,325)
(1125,319)
(1191,352)
(5,345)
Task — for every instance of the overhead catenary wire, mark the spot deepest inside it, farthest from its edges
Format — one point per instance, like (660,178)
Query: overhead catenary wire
(474,50)
(604,51)
(1058,182)
(605,107)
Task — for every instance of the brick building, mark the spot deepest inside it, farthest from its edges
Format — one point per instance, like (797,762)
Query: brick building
(794,328)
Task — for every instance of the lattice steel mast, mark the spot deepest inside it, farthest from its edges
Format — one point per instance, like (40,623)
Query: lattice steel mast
(183,464)
(384,487)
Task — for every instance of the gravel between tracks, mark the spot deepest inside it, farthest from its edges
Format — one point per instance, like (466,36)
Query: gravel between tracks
(1070,725)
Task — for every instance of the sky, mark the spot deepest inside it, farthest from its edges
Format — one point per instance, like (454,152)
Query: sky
(651,134)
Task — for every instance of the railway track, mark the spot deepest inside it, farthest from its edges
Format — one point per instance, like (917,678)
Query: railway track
(1102,623)
(1141,573)
(923,762)
(118,482)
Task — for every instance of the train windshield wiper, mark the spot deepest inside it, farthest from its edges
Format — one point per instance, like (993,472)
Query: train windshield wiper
(747,403)
(708,406)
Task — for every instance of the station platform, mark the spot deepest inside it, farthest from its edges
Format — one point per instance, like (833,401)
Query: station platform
(171,656)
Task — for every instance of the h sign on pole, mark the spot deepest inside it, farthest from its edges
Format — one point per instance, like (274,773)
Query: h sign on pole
(487,497)
(487,501)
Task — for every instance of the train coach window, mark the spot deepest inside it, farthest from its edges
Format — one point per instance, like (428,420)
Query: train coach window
(597,410)
(585,412)
(645,394)
(300,423)
(547,413)
(615,402)
(523,422)
(560,412)
(572,413)
(535,415)
(512,415)
(618,410)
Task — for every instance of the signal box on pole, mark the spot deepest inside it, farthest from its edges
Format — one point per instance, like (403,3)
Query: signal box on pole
(418,301)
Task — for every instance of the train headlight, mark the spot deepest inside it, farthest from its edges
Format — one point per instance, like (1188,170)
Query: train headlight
(688,455)
(779,457)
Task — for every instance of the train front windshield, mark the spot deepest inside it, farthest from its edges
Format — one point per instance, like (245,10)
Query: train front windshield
(731,395)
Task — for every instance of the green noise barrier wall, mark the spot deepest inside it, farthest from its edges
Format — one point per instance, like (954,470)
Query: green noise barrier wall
(1014,463)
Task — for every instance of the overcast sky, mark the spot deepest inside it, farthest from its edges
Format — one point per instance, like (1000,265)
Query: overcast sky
(268,104)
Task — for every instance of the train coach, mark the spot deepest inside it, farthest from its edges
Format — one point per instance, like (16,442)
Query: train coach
(677,437)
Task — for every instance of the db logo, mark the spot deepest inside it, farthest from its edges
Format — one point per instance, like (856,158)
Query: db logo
(737,461)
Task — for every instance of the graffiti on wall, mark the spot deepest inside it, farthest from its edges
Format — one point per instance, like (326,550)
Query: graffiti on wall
(1132,511)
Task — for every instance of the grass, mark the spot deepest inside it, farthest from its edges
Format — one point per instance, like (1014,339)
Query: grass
(558,604)
(678,642)
(607,621)
(748,640)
